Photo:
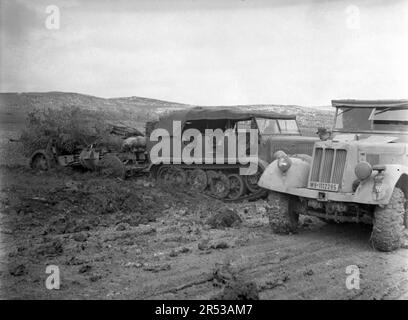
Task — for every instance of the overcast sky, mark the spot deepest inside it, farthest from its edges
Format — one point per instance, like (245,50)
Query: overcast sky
(209,52)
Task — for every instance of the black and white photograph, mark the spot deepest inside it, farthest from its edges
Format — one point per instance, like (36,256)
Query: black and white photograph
(196,150)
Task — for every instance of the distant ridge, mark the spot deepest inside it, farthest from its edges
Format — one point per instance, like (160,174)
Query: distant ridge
(135,110)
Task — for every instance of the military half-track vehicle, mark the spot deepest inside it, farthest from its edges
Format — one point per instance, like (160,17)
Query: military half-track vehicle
(222,179)
(359,175)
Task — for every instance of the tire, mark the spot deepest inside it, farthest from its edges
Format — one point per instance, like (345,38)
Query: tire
(40,161)
(389,223)
(282,217)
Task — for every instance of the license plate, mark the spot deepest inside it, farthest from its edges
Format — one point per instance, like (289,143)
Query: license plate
(324,186)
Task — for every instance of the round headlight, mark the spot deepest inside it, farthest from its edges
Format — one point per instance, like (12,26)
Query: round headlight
(363,170)
(284,163)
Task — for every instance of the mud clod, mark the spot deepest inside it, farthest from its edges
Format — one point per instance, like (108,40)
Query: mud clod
(224,219)
(52,249)
(18,270)
(84,269)
(238,290)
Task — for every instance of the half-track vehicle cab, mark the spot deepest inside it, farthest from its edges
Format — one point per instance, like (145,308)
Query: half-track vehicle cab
(359,175)
(219,176)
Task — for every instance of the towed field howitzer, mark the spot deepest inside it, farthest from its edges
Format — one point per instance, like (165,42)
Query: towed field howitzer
(131,159)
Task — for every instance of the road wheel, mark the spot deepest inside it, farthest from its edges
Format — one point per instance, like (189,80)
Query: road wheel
(219,185)
(198,180)
(282,217)
(164,174)
(111,166)
(389,223)
(237,186)
(178,176)
(251,181)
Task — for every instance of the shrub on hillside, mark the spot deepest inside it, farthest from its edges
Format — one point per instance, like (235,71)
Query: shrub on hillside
(71,126)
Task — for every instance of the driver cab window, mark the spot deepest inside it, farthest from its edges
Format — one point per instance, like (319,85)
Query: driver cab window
(268,126)
(288,126)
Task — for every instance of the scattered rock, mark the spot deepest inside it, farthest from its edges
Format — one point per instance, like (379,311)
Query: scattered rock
(73,185)
(144,230)
(157,267)
(81,237)
(185,250)
(52,249)
(309,272)
(173,253)
(238,290)
(133,264)
(6,231)
(220,245)
(126,242)
(84,269)
(203,245)
(122,227)
(95,277)
(277,282)
(74,261)
(275,260)
(18,270)
(224,219)
(224,273)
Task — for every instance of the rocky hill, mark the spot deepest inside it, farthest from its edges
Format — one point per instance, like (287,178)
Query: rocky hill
(131,110)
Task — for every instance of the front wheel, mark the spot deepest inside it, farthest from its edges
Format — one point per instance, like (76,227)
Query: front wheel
(282,217)
(389,223)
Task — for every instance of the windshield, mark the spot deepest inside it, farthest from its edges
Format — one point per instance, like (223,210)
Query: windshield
(371,119)
(272,126)
(288,126)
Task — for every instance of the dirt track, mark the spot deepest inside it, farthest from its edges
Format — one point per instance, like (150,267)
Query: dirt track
(133,240)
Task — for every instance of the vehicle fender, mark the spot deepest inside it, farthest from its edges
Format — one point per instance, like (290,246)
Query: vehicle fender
(371,192)
(276,180)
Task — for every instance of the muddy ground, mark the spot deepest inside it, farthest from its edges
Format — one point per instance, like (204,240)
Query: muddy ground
(114,239)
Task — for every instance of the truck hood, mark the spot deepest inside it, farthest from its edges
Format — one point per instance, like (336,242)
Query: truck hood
(290,138)
(367,139)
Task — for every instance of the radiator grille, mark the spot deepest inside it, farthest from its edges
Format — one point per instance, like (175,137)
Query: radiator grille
(327,169)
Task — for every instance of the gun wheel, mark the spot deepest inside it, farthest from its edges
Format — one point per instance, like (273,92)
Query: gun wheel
(40,161)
